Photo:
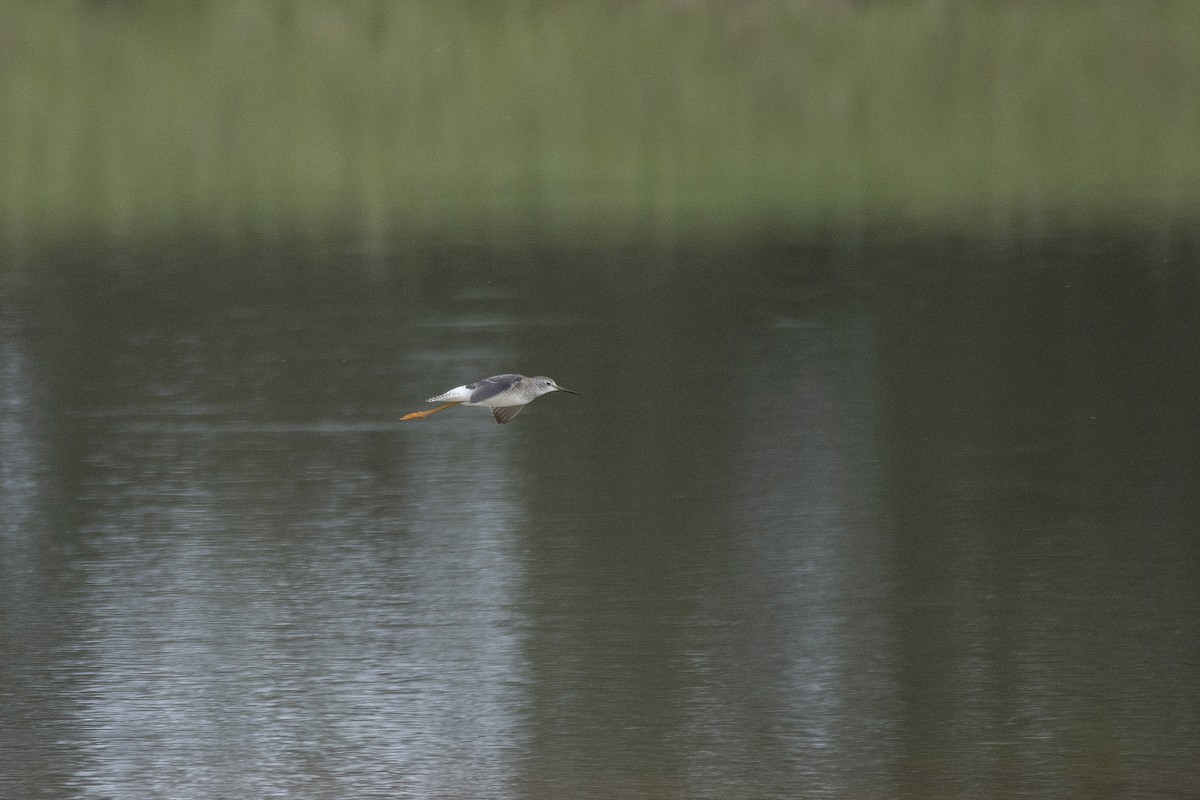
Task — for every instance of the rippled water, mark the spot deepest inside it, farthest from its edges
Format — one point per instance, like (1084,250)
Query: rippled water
(801,536)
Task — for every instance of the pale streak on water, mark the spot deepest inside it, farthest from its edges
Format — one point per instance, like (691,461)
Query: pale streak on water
(810,566)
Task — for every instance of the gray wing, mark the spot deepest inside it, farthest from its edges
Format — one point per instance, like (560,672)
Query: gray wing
(505,414)
(490,387)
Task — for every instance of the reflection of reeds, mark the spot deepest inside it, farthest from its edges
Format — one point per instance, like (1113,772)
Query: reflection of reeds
(118,118)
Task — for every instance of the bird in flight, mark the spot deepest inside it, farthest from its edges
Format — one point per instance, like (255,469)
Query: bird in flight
(505,395)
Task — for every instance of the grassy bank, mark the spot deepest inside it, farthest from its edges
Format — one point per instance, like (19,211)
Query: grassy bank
(121,119)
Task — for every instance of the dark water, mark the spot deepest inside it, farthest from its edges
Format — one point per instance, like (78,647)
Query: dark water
(917,523)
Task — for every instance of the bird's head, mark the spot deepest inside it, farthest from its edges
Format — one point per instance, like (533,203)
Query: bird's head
(544,385)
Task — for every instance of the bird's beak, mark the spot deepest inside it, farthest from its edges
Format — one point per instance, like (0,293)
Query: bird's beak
(568,391)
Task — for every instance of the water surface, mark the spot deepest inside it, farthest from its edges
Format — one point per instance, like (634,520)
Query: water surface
(907,524)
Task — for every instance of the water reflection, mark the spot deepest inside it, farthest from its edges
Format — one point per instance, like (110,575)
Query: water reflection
(798,537)
(790,642)
(1032,566)
(199,637)
(206,576)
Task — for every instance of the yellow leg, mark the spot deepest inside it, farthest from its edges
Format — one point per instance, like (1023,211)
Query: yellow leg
(423,414)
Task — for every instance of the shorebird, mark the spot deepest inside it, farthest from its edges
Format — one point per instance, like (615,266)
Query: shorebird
(505,395)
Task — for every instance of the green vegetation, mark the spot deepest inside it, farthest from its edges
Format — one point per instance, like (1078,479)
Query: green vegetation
(119,119)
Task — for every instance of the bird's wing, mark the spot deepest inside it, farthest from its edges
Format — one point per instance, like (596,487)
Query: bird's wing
(505,414)
(490,387)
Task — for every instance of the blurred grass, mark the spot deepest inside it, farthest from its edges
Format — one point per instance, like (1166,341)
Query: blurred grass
(623,119)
